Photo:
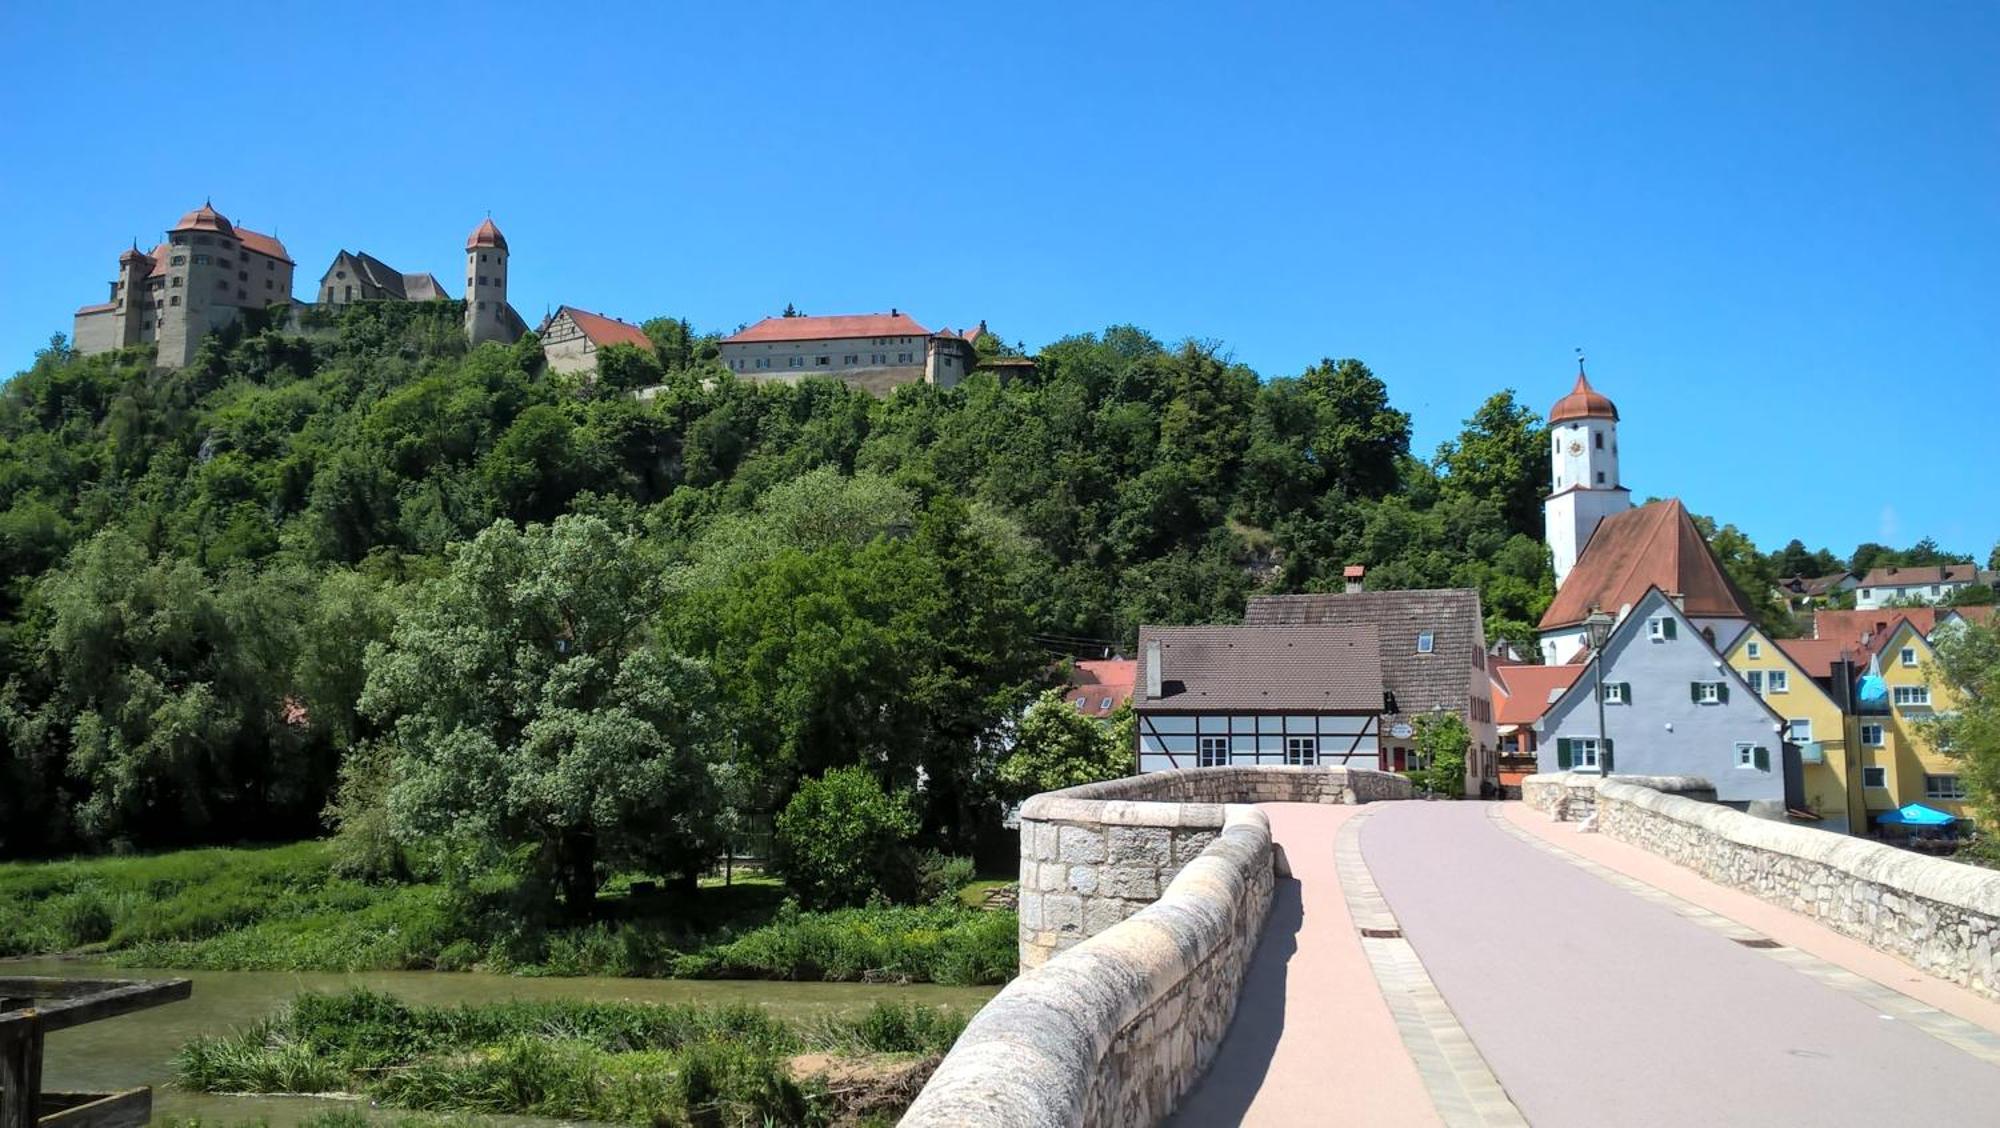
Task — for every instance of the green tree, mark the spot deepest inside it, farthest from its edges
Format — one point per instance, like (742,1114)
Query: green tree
(525,708)
(1057,746)
(1441,742)
(842,839)
(1502,456)
(1968,664)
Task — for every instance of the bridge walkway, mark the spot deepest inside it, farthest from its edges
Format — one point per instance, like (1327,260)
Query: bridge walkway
(1590,982)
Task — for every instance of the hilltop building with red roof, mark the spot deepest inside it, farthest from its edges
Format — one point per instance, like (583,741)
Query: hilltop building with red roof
(1608,554)
(571,338)
(202,278)
(876,352)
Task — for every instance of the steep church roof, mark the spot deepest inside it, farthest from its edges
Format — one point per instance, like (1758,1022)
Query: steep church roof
(1653,546)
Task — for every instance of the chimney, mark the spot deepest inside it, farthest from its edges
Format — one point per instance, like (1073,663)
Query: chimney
(893,311)
(1153,674)
(1353,574)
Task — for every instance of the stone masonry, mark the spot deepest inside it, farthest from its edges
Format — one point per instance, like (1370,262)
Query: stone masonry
(1942,916)
(1117,1027)
(1093,855)
(1572,796)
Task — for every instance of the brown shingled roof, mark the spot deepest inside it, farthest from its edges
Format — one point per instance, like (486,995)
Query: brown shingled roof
(1421,683)
(1652,546)
(1266,669)
(1923,574)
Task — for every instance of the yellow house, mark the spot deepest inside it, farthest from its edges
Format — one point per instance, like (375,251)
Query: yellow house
(1823,733)
(1899,764)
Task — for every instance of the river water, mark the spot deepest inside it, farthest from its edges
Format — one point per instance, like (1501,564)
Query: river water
(138,1049)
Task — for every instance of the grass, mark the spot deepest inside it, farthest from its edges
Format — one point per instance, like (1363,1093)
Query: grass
(621,1062)
(973,894)
(283,909)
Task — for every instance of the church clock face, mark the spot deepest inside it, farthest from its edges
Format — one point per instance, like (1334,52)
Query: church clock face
(1575,447)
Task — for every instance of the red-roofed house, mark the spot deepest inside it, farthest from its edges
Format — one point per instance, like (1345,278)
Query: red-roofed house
(207,272)
(1097,687)
(1521,694)
(876,352)
(571,338)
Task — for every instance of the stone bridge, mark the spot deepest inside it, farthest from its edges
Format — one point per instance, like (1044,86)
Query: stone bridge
(1275,946)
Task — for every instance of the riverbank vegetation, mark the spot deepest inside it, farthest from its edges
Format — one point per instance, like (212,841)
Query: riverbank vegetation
(286,909)
(612,1062)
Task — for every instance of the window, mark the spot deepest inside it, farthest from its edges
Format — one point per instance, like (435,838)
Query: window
(1104,703)
(1753,650)
(1426,642)
(795,362)
(201,260)
(1663,629)
(175,300)
(1081,703)
(349,295)
(1709,693)
(1781,681)
(1913,695)
(1755,678)
(1801,730)
(1753,758)
(763,362)
(822,361)
(1871,736)
(850,358)
(1867,592)
(1875,777)
(270,285)
(1301,750)
(1600,477)
(180,260)
(482,280)
(1597,439)
(177,282)
(243,276)
(1617,693)
(1582,753)
(1909,656)
(902,358)
(1213,752)
(1943,787)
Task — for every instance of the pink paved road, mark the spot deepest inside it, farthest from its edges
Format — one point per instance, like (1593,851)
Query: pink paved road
(1595,1007)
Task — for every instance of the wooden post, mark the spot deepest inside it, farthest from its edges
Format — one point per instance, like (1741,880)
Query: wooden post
(20,1069)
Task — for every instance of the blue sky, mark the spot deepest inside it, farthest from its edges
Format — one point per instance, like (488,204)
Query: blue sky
(1774,228)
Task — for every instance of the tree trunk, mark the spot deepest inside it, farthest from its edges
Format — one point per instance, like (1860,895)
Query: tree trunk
(579,874)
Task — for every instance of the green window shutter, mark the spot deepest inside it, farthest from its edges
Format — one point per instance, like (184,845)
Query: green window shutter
(1669,628)
(1563,758)
(1763,758)
(1722,692)
(1625,690)
(1694,692)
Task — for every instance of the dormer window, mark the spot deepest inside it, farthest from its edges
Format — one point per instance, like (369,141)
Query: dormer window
(1426,643)
(1909,656)
(1753,650)
(1662,629)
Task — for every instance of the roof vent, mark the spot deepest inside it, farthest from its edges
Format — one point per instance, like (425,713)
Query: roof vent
(1353,574)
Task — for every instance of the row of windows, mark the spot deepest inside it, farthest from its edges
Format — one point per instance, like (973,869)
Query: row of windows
(1909,695)
(482,280)
(1772,681)
(1876,778)
(1213,752)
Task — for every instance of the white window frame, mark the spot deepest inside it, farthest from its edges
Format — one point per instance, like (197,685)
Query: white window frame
(1932,790)
(1301,751)
(1909,656)
(1711,693)
(1655,631)
(1912,696)
(1583,754)
(1878,773)
(1755,680)
(1746,755)
(1753,650)
(1104,703)
(1792,729)
(1614,693)
(1426,642)
(1880,734)
(1780,681)
(1212,751)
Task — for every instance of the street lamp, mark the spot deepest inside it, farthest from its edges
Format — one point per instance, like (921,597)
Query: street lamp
(1597,627)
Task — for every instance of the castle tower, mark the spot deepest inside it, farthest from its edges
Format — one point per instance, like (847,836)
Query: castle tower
(198,285)
(132,298)
(486,285)
(1583,440)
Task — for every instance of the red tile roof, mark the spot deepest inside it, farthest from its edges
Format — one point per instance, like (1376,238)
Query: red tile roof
(261,243)
(1092,683)
(1867,631)
(485,235)
(1653,546)
(1528,691)
(204,218)
(1583,402)
(1815,656)
(100,307)
(839,327)
(602,330)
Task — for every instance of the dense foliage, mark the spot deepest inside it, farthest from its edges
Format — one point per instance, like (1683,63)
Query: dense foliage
(1056,746)
(1442,741)
(842,840)
(1968,665)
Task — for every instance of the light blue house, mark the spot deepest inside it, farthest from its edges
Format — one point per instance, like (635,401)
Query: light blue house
(1672,706)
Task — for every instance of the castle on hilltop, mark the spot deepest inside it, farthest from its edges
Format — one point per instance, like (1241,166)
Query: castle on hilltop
(210,270)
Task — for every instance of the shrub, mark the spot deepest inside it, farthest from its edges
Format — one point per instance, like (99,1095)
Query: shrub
(840,840)
(940,877)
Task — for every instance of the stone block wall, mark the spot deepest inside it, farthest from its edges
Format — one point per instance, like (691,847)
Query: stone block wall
(1572,796)
(1091,856)
(1942,916)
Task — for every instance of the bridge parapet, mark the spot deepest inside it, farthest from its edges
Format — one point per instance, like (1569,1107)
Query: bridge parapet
(1112,1024)
(1572,796)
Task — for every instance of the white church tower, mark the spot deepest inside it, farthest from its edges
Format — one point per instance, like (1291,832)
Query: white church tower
(1583,439)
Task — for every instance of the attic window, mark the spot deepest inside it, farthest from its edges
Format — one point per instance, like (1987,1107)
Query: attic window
(1425,643)
(1663,629)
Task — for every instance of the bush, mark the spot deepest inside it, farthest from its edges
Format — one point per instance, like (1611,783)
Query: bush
(840,841)
(940,877)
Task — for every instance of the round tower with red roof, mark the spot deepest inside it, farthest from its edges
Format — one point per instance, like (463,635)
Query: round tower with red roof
(486,285)
(1584,486)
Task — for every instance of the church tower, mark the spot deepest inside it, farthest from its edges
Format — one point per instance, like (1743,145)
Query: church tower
(486,285)
(133,302)
(1583,441)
